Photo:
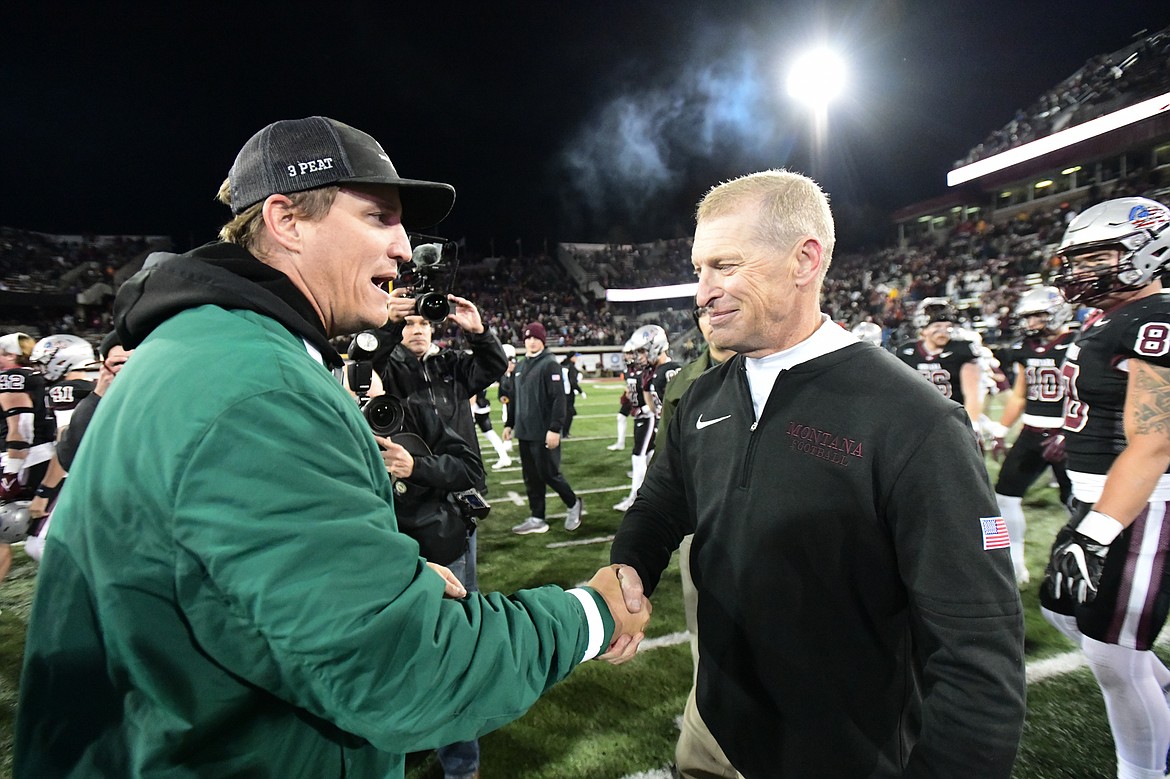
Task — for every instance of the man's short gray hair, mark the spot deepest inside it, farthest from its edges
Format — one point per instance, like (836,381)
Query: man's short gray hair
(791,206)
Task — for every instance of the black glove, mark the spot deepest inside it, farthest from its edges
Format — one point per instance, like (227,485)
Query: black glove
(1075,567)
(1052,450)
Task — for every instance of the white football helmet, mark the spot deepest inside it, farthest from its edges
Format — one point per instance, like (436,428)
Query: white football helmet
(653,339)
(932,310)
(14,521)
(59,354)
(868,331)
(1136,226)
(1043,301)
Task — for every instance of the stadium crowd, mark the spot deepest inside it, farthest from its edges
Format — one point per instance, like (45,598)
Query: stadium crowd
(1103,84)
(981,266)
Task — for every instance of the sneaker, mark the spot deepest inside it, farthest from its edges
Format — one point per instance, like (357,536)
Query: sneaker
(531,525)
(624,505)
(573,518)
(615,447)
(502,463)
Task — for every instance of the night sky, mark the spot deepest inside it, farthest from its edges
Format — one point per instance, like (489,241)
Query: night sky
(556,120)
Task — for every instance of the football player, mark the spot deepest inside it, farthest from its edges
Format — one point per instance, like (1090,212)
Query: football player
(649,344)
(481,409)
(1038,397)
(631,376)
(1107,567)
(952,365)
(30,430)
(69,367)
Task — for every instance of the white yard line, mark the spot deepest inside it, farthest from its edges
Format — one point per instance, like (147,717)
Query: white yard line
(579,542)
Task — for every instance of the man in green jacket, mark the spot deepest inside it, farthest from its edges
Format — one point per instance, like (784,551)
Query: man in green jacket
(225,583)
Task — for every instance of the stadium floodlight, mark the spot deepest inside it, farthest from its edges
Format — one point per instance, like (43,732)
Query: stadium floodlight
(1048,144)
(666,292)
(817,78)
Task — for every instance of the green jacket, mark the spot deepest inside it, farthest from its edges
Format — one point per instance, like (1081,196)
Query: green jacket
(225,592)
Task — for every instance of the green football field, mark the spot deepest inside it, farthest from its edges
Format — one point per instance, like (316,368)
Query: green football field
(606,721)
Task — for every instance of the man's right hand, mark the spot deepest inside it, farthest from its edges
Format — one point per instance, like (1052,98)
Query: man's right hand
(616,583)
(401,305)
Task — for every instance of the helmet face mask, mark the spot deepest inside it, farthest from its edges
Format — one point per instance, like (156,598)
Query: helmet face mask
(1113,248)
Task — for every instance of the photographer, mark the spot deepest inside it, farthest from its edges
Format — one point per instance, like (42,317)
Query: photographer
(412,366)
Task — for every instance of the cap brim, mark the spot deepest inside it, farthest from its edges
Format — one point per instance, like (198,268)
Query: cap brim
(424,203)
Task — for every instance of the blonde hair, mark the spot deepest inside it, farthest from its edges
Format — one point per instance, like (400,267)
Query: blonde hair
(25,343)
(246,228)
(790,206)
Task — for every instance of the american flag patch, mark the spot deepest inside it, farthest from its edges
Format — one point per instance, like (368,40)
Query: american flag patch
(995,533)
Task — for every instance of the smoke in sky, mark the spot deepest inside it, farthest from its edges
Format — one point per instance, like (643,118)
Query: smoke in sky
(641,150)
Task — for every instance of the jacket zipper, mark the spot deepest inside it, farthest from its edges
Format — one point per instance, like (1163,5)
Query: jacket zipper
(753,440)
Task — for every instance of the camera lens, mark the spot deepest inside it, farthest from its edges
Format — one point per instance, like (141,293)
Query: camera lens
(433,306)
(384,415)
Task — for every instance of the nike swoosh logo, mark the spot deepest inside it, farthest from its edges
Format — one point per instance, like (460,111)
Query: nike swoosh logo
(700,423)
(1062,346)
(944,354)
(1101,322)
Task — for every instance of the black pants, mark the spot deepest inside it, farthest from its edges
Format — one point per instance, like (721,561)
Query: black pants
(542,468)
(1025,464)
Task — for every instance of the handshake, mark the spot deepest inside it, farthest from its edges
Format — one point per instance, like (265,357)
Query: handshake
(621,587)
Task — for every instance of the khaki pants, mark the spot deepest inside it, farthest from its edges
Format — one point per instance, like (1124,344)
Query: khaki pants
(697,755)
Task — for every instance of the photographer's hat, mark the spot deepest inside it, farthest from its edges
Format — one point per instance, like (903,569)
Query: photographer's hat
(294,155)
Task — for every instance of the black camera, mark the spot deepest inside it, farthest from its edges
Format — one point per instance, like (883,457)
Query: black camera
(473,505)
(430,274)
(385,415)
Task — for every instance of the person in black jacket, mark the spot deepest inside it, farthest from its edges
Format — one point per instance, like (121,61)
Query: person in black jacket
(857,608)
(537,410)
(412,366)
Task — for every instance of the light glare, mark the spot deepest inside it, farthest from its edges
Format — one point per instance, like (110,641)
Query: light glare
(817,78)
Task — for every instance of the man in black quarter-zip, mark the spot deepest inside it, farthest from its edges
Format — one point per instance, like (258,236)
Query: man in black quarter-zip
(857,606)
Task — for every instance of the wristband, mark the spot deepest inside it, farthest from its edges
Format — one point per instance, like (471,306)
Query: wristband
(597,640)
(17,445)
(45,491)
(13,465)
(1102,528)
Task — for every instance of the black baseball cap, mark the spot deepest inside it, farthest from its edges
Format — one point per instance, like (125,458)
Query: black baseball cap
(294,155)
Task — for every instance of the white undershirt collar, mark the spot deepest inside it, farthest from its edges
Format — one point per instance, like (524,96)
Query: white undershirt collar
(763,371)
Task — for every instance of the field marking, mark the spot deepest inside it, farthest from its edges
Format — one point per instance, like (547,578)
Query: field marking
(579,542)
(1049,667)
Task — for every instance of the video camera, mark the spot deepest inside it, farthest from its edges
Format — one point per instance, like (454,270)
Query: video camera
(386,416)
(430,274)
